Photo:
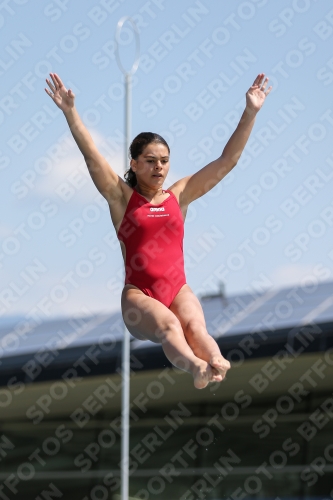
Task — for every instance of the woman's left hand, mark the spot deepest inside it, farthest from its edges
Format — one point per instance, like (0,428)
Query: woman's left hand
(257,93)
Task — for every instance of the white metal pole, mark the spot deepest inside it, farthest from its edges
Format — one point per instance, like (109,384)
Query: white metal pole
(125,427)
(125,399)
(126,342)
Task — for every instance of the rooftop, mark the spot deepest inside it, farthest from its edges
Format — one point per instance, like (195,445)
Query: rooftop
(278,313)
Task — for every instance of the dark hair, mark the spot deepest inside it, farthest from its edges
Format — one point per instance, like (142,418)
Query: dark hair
(136,148)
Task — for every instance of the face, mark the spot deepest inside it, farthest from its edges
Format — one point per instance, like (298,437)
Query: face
(152,166)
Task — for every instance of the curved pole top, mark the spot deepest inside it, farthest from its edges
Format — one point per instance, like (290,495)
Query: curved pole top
(135,64)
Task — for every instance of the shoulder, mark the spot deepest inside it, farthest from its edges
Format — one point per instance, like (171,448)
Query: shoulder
(120,195)
(178,189)
(127,190)
(118,205)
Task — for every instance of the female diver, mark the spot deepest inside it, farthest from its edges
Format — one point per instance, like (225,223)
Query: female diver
(156,302)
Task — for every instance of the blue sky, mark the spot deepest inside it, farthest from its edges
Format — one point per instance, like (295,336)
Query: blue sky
(268,224)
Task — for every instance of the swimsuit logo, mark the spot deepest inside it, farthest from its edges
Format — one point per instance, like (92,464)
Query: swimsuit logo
(159,209)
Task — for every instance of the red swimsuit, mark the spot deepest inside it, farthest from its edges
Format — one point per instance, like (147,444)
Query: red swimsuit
(153,237)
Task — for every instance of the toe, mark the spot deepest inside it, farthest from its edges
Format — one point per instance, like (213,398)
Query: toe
(220,363)
(216,375)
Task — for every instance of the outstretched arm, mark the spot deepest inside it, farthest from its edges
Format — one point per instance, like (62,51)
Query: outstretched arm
(108,183)
(192,187)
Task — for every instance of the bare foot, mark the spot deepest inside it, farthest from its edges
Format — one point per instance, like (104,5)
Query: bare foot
(220,364)
(216,375)
(204,374)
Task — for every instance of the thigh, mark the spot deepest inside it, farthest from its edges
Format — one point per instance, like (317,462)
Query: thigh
(187,308)
(146,318)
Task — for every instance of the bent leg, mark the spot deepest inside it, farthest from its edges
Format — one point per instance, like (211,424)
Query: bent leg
(147,318)
(188,310)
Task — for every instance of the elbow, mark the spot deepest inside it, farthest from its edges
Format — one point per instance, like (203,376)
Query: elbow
(90,155)
(233,162)
(91,163)
(230,162)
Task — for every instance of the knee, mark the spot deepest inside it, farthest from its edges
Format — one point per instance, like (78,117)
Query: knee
(195,327)
(170,328)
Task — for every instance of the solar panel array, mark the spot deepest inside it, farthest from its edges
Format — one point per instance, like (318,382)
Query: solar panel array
(272,310)
(239,314)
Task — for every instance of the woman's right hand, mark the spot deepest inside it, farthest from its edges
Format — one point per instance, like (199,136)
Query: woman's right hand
(63,98)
